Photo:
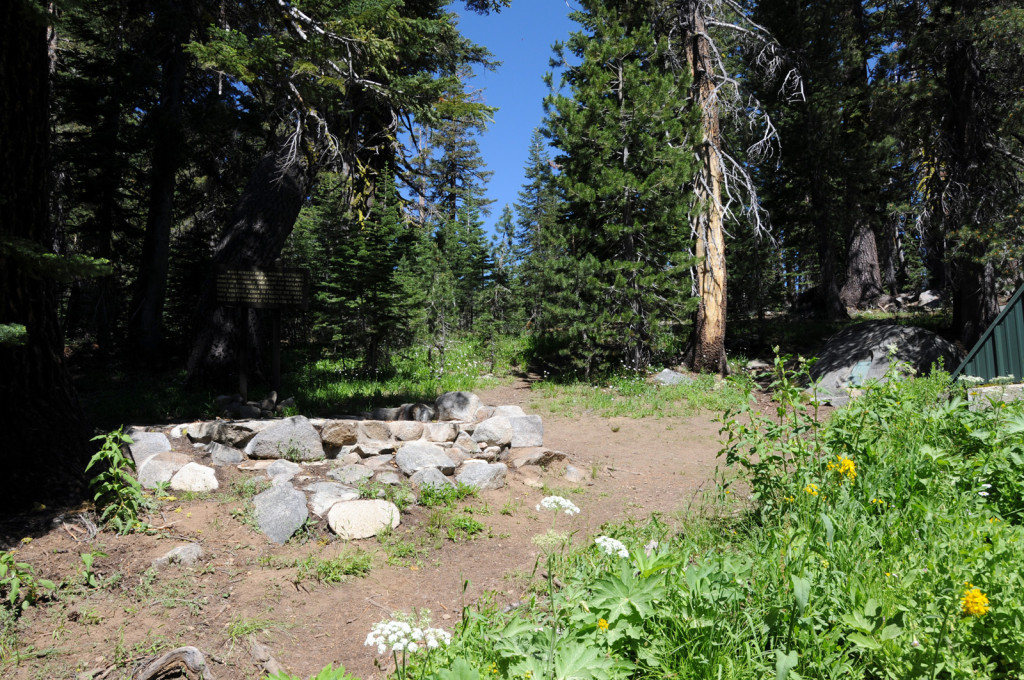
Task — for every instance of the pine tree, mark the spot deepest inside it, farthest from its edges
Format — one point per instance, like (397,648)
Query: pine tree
(625,142)
(365,310)
(536,211)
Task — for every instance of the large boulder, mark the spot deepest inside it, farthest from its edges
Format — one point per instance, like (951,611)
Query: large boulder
(340,432)
(415,456)
(223,432)
(526,431)
(363,519)
(374,430)
(483,476)
(160,468)
(457,406)
(351,474)
(496,431)
(224,455)
(280,512)
(195,478)
(326,494)
(859,354)
(670,377)
(145,445)
(440,432)
(533,455)
(430,477)
(293,438)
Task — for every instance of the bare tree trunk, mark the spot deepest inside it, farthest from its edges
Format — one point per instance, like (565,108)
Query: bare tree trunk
(863,279)
(45,439)
(706,351)
(263,218)
(166,124)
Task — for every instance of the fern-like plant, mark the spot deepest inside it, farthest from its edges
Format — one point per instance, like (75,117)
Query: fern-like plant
(115,490)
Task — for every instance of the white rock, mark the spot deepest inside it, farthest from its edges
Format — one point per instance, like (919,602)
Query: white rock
(160,468)
(495,431)
(145,445)
(483,475)
(363,518)
(526,431)
(440,432)
(196,478)
(415,456)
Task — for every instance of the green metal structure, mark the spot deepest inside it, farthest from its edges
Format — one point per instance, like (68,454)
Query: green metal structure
(1000,350)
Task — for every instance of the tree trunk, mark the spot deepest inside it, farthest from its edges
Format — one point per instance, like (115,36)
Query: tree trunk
(706,351)
(975,302)
(262,220)
(863,279)
(45,440)
(165,123)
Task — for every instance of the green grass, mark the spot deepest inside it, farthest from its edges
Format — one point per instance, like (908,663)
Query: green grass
(242,627)
(336,569)
(851,558)
(635,397)
(432,496)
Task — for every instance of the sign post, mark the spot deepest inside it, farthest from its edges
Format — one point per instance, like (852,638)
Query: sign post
(261,289)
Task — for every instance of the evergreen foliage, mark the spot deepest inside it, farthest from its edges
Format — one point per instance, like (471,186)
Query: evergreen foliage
(619,271)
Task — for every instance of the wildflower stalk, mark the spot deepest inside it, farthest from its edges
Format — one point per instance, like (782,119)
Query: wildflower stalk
(939,642)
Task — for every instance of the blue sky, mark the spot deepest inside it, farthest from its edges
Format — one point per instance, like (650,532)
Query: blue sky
(520,37)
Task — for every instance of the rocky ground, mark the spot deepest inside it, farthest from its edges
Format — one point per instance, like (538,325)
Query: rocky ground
(245,588)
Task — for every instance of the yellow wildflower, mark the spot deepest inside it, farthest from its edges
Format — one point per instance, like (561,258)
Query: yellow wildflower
(602,624)
(974,602)
(790,499)
(844,467)
(811,489)
(494,668)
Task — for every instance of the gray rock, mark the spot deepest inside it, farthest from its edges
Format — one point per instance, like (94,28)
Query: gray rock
(439,432)
(858,354)
(195,478)
(421,413)
(457,406)
(160,468)
(350,458)
(495,431)
(326,494)
(458,456)
(350,474)
(483,475)
(363,518)
(373,430)
(534,455)
(293,438)
(269,402)
(286,403)
(224,455)
(483,413)
(255,465)
(508,411)
(387,414)
(222,432)
(489,454)
(241,411)
(370,448)
(389,477)
(406,430)
(145,445)
(280,512)
(178,431)
(415,456)
(340,432)
(379,462)
(430,477)
(283,468)
(930,299)
(185,555)
(526,431)
(574,475)
(466,443)
(670,377)
(757,365)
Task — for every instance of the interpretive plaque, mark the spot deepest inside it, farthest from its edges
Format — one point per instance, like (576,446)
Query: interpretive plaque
(258,289)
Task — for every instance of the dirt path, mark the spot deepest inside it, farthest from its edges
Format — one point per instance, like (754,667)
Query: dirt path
(637,467)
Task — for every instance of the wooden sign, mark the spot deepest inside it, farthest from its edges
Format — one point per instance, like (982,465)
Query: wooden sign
(278,289)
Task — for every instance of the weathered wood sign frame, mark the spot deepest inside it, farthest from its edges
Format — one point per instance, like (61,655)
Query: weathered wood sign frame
(274,290)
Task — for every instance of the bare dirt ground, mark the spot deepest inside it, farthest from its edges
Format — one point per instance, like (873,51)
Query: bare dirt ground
(244,582)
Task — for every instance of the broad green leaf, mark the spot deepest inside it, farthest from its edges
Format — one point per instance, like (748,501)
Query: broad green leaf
(460,670)
(784,663)
(864,641)
(801,591)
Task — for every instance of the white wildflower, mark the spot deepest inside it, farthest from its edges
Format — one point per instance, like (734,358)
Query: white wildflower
(610,546)
(400,636)
(557,503)
(650,547)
